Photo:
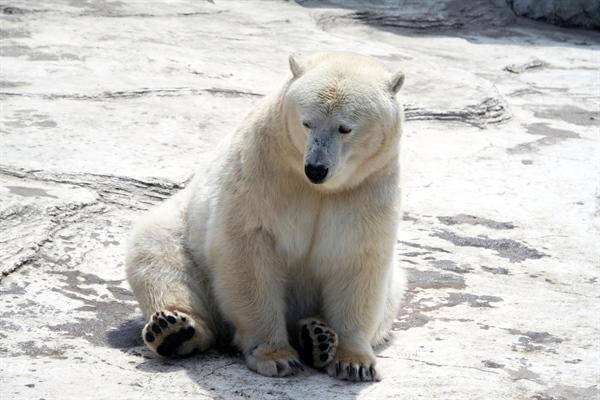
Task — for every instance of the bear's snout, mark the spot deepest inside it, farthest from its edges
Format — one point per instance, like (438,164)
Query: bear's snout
(316,173)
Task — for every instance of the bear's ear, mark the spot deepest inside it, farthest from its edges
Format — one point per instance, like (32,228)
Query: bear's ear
(395,82)
(296,65)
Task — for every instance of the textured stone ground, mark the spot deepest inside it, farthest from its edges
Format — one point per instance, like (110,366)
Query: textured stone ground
(108,107)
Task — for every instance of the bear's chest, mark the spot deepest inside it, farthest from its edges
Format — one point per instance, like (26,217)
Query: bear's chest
(304,228)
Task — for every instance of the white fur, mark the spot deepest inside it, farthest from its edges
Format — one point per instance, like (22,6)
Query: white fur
(251,246)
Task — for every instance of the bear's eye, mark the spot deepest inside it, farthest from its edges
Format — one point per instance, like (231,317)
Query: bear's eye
(344,130)
(306,125)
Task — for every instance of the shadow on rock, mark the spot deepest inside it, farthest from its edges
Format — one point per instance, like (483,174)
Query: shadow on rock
(127,335)
(488,20)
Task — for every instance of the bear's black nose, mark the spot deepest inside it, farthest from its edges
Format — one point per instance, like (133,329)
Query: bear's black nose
(316,173)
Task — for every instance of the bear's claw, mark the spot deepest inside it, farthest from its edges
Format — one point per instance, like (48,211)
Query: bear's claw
(353,372)
(273,362)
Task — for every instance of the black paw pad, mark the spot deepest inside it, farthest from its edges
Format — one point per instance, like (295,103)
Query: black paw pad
(171,343)
(149,337)
(318,343)
(169,333)
(306,347)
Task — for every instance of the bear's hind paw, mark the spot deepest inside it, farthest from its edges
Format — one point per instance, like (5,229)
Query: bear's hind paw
(171,334)
(318,343)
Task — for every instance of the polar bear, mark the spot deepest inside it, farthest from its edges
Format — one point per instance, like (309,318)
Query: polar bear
(285,245)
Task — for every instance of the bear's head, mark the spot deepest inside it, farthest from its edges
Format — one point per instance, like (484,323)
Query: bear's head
(342,114)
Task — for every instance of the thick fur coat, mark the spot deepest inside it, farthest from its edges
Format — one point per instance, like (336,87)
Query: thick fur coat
(289,234)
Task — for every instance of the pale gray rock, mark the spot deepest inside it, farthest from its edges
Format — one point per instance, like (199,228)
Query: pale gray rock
(109,107)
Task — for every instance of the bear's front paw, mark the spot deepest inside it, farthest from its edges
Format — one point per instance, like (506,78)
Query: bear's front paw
(273,362)
(354,368)
(171,334)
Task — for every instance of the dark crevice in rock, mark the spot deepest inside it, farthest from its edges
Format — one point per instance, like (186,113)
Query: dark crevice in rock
(507,248)
(473,220)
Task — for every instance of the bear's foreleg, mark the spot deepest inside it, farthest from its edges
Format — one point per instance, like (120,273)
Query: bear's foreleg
(353,307)
(250,285)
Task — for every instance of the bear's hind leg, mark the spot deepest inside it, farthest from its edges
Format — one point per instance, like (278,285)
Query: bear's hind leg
(317,342)
(171,289)
(180,319)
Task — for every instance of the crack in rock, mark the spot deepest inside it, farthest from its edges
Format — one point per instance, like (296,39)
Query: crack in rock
(143,92)
(491,110)
(42,225)
(29,229)
(123,191)
(30,224)
(520,68)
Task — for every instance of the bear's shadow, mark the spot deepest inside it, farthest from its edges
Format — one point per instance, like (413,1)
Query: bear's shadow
(200,367)
(127,335)
(127,338)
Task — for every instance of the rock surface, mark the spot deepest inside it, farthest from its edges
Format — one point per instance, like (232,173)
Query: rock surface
(108,107)
(573,13)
